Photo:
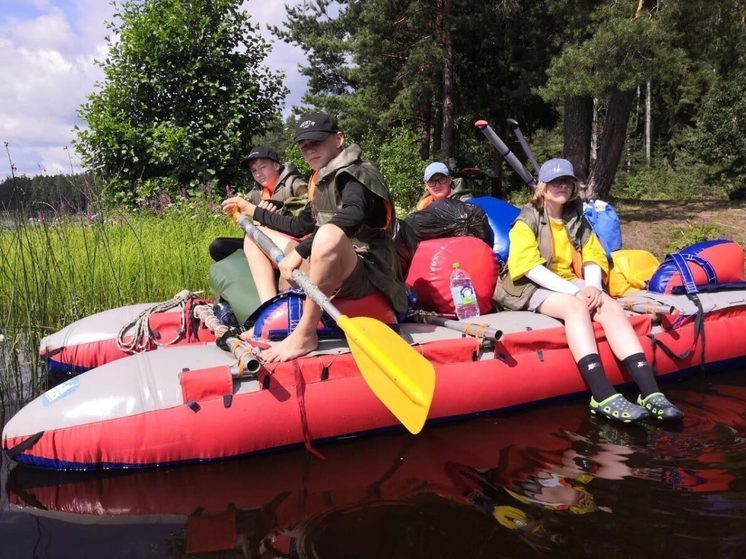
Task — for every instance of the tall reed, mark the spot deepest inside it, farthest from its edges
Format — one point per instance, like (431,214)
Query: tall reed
(59,268)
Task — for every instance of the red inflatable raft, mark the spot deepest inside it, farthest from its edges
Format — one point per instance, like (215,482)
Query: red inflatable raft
(181,404)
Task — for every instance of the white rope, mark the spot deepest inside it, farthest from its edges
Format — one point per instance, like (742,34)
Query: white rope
(135,336)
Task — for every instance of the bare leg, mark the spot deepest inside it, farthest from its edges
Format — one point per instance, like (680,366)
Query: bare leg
(619,332)
(332,260)
(577,319)
(262,268)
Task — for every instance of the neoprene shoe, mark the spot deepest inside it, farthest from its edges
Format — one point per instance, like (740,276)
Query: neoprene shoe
(659,406)
(617,408)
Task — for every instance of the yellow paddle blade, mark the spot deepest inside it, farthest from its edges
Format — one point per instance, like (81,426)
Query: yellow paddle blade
(400,376)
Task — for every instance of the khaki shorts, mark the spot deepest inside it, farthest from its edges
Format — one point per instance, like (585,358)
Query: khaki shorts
(541,294)
(358,284)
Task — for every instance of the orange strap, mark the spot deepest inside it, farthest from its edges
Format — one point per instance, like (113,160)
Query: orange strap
(424,202)
(312,185)
(577,261)
(300,391)
(269,189)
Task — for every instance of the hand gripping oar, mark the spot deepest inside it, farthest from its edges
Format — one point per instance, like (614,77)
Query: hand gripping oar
(503,150)
(400,376)
(513,123)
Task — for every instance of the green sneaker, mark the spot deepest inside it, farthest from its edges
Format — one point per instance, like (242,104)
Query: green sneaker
(617,408)
(659,406)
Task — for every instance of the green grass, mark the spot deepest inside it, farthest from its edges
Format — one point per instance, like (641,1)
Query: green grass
(56,271)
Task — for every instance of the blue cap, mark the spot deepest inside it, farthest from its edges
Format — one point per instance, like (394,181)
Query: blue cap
(435,168)
(555,168)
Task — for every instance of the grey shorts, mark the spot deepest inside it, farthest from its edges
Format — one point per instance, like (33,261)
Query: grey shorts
(541,294)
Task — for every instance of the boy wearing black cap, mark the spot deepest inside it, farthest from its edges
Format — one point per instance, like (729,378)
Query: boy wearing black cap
(348,251)
(278,188)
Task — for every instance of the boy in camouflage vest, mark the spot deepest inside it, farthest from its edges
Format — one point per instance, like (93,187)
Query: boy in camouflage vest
(346,230)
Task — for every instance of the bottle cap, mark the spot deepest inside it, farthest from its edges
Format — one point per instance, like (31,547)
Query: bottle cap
(455,265)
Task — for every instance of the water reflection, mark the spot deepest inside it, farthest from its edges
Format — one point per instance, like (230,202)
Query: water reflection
(549,482)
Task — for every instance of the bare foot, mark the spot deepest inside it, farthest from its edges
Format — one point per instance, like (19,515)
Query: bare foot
(295,345)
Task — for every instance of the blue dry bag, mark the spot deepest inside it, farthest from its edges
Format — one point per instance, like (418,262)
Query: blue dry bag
(605,223)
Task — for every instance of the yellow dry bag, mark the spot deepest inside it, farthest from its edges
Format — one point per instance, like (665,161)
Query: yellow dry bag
(630,270)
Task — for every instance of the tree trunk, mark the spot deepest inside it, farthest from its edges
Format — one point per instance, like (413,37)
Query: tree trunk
(594,132)
(437,135)
(426,123)
(611,143)
(578,127)
(497,189)
(648,123)
(448,72)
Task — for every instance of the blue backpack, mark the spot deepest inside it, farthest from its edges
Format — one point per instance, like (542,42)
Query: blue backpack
(605,223)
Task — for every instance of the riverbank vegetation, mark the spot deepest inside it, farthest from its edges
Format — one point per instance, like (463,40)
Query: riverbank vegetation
(56,268)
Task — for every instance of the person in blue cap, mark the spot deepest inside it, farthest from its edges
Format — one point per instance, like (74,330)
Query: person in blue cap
(439,185)
(555,266)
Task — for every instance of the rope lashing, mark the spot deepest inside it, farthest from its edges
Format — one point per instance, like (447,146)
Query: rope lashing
(136,336)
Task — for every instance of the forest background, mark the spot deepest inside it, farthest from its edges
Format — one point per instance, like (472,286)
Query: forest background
(646,97)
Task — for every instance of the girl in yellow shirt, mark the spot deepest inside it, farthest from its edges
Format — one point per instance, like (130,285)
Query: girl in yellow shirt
(565,283)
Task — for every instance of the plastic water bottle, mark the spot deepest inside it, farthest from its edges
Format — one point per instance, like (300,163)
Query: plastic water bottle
(462,291)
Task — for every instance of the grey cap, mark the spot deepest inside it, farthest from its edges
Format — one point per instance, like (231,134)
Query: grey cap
(434,168)
(555,168)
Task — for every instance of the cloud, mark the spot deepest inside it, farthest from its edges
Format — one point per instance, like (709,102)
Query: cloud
(49,48)
(283,57)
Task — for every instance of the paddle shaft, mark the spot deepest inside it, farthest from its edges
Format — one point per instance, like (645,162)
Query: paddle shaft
(273,251)
(524,144)
(504,150)
(247,360)
(356,337)
(468,328)
(647,308)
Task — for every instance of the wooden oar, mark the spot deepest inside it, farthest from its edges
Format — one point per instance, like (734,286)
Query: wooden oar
(400,376)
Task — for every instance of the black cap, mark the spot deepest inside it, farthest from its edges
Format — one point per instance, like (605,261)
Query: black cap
(263,152)
(315,126)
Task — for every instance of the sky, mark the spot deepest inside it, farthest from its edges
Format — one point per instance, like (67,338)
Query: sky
(47,69)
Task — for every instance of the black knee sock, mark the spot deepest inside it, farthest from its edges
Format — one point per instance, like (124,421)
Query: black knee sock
(642,373)
(594,376)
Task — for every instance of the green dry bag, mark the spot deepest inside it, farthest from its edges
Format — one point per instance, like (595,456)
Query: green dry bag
(231,279)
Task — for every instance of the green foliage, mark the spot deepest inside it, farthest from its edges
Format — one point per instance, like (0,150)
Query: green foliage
(379,65)
(184,93)
(720,137)
(621,53)
(48,193)
(663,182)
(56,271)
(398,160)
(691,233)
(293,155)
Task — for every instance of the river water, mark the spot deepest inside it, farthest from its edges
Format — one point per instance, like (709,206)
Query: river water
(545,482)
